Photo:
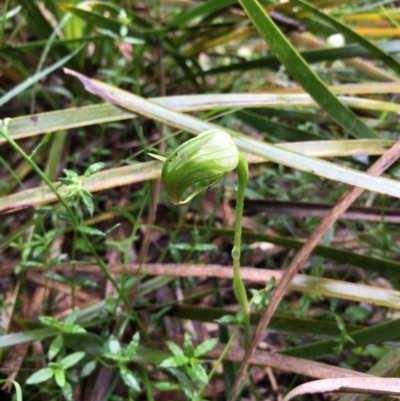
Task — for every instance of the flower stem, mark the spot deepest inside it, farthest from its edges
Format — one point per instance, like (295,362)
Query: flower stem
(242,172)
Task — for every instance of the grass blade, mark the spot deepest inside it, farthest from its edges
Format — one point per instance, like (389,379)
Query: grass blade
(35,78)
(353,36)
(300,70)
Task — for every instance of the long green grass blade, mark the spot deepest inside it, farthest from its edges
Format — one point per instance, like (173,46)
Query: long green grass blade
(351,35)
(279,322)
(383,266)
(201,11)
(300,70)
(311,56)
(35,78)
(275,130)
(386,331)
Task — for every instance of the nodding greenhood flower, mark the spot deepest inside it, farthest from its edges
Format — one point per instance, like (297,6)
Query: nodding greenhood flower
(199,163)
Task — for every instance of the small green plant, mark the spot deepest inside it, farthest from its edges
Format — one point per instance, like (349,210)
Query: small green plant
(261,298)
(59,371)
(75,190)
(35,250)
(186,366)
(122,357)
(67,326)
(64,378)
(344,337)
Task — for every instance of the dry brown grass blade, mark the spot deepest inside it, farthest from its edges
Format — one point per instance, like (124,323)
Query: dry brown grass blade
(309,209)
(301,282)
(344,203)
(378,386)
(288,363)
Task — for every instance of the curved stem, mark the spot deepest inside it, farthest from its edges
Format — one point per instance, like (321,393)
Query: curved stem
(242,172)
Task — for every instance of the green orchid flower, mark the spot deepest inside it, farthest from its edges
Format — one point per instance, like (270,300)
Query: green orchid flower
(199,163)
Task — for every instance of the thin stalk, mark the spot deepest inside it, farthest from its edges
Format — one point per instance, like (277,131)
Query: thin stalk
(44,55)
(3,23)
(146,383)
(242,172)
(73,252)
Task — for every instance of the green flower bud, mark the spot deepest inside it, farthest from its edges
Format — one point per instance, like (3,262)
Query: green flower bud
(199,163)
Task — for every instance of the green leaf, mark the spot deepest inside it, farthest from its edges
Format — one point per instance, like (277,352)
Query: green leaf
(114,357)
(188,347)
(70,173)
(300,70)
(59,278)
(114,346)
(129,378)
(40,376)
(88,368)
(174,361)
(90,231)
(59,376)
(55,347)
(205,247)
(182,246)
(174,348)
(67,392)
(205,347)
(257,297)
(133,346)
(73,329)
(94,168)
(166,386)
(87,199)
(50,321)
(186,384)
(227,319)
(11,13)
(72,359)
(198,374)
